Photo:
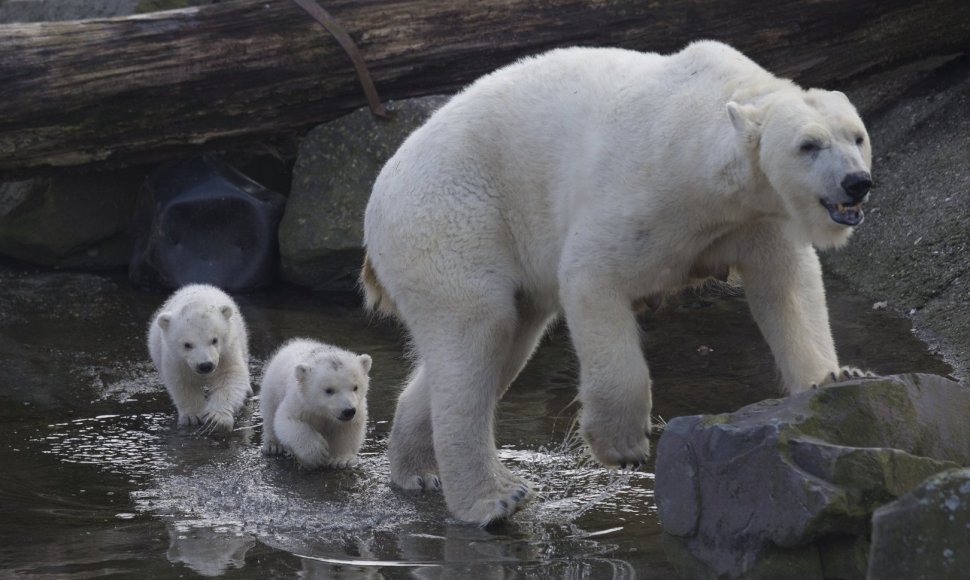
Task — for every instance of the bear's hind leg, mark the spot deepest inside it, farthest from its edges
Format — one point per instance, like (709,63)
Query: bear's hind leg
(410,448)
(465,374)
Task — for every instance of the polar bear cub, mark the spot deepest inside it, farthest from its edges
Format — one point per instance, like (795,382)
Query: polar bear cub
(199,345)
(314,404)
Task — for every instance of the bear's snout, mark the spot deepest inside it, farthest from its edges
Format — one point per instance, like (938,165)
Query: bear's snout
(857,184)
(347,414)
(205,368)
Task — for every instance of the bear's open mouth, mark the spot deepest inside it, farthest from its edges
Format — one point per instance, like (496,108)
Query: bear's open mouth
(847,215)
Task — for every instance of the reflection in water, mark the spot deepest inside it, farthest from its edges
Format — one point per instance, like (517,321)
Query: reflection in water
(101,482)
(209,550)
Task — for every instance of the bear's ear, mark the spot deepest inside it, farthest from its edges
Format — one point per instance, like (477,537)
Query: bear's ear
(843,95)
(745,118)
(365,362)
(164,320)
(226,311)
(301,371)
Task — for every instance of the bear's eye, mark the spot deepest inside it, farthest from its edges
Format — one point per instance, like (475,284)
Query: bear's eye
(809,147)
(860,140)
(188,346)
(215,341)
(328,391)
(355,388)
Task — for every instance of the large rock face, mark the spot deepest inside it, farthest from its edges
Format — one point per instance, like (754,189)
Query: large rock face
(321,235)
(925,535)
(786,488)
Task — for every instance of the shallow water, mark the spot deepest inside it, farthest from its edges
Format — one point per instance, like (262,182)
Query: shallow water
(97,482)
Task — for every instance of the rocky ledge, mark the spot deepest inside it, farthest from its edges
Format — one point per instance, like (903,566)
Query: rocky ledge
(787,488)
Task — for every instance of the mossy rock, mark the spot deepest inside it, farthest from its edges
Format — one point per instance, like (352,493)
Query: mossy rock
(782,475)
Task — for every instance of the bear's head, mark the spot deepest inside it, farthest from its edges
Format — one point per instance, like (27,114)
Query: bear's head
(199,333)
(335,383)
(814,151)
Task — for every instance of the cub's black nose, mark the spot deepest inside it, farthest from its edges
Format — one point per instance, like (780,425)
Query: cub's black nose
(347,414)
(206,368)
(857,184)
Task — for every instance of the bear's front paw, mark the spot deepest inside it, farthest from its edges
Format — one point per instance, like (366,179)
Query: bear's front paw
(343,463)
(615,445)
(845,373)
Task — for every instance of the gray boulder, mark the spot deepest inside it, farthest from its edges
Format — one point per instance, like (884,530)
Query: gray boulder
(321,235)
(786,488)
(69,221)
(925,534)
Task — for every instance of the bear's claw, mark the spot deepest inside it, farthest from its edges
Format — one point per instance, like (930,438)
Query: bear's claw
(490,510)
(844,374)
(343,463)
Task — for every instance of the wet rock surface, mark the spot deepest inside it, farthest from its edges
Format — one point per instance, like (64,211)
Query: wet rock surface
(786,488)
(69,221)
(321,235)
(925,534)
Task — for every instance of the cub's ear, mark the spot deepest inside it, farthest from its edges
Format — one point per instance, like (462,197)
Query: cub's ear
(745,118)
(226,311)
(365,362)
(301,372)
(843,95)
(164,320)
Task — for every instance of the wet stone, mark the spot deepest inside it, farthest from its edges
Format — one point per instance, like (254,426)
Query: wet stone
(321,235)
(797,480)
(925,534)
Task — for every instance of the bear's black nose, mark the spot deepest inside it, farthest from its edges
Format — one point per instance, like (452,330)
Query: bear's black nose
(206,368)
(857,184)
(348,414)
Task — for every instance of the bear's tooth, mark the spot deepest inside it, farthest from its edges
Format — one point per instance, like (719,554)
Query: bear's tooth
(840,207)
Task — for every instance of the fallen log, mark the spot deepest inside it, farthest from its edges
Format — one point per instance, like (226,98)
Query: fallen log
(136,89)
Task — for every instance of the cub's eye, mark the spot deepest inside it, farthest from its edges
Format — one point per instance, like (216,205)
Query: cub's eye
(809,147)
(215,341)
(860,140)
(355,388)
(188,346)
(328,391)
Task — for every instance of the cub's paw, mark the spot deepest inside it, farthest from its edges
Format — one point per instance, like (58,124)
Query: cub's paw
(216,422)
(343,463)
(845,373)
(273,449)
(497,504)
(187,420)
(617,446)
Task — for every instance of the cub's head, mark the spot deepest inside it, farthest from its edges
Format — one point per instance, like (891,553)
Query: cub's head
(815,152)
(335,383)
(198,333)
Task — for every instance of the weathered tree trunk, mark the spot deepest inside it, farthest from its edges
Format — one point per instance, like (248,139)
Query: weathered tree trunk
(136,88)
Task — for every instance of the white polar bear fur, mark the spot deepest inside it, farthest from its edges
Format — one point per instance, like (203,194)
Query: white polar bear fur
(198,325)
(306,387)
(577,182)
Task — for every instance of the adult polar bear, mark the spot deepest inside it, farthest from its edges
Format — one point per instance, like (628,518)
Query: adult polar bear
(580,181)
